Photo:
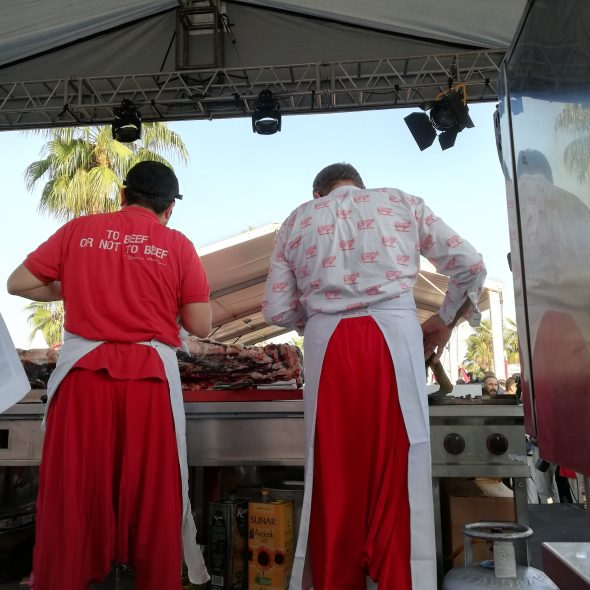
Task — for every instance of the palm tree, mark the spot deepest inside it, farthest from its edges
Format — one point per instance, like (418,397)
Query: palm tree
(82,168)
(480,355)
(47,318)
(574,121)
(511,350)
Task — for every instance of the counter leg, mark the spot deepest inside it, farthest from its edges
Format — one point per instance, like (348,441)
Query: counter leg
(198,500)
(438,529)
(522,553)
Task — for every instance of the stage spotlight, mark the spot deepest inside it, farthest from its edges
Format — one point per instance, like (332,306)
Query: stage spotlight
(449,114)
(421,128)
(266,118)
(127,124)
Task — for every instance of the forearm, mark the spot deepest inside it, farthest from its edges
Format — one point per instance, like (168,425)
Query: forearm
(278,314)
(281,305)
(24,284)
(196,318)
(456,258)
(462,313)
(50,292)
(463,293)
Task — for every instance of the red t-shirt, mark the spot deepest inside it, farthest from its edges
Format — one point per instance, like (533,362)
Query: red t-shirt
(124,276)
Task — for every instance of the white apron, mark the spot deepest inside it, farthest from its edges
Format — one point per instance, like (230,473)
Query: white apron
(14,384)
(73,349)
(399,324)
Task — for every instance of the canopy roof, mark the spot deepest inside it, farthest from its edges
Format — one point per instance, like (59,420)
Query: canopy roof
(67,63)
(237,269)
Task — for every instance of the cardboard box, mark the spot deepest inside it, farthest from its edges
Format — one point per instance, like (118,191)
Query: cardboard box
(228,543)
(270,543)
(465,501)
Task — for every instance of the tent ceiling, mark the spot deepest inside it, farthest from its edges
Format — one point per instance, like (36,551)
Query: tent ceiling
(237,270)
(67,63)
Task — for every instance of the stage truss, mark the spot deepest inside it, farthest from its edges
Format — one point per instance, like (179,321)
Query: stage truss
(225,93)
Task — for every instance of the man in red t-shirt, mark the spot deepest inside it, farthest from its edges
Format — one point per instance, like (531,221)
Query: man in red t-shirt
(113,479)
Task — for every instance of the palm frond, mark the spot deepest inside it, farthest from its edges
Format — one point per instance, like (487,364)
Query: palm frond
(35,171)
(105,184)
(83,166)
(573,120)
(47,318)
(159,138)
(576,157)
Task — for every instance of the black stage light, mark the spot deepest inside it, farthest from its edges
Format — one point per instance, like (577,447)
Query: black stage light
(447,139)
(266,118)
(449,114)
(127,124)
(421,129)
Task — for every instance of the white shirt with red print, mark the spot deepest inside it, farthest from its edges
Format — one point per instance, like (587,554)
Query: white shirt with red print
(355,247)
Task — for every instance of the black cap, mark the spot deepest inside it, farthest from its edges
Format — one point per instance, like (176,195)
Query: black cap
(153,180)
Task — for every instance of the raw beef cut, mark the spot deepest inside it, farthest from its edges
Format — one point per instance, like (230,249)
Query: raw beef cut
(208,365)
(38,364)
(214,365)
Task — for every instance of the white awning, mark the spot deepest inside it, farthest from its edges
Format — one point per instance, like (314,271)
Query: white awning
(237,270)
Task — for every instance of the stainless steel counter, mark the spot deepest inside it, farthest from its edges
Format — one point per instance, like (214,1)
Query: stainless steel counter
(219,433)
(271,433)
(245,433)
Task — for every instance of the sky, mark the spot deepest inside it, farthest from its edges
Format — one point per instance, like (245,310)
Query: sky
(238,180)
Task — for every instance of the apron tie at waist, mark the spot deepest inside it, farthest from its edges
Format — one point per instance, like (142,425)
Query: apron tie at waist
(399,302)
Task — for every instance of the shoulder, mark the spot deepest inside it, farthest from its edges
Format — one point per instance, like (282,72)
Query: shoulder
(394,198)
(303,210)
(93,219)
(174,234)
(178,238)
(85,221)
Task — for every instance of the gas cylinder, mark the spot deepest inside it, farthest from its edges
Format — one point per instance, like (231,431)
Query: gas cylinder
(502,572)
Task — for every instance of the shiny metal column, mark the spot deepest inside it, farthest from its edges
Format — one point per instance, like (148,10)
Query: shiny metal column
(438,529)
(522,553)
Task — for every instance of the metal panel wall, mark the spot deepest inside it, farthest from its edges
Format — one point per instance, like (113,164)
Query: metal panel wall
(547,165)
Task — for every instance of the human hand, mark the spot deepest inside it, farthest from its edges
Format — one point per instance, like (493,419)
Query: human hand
(435,335)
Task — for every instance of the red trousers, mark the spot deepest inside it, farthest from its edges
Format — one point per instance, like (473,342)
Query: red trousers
(109,485)
(360,518)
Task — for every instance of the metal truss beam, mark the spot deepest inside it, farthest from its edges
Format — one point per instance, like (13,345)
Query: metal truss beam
(224,93)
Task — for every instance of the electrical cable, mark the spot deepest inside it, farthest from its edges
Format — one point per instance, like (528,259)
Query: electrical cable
(168,51)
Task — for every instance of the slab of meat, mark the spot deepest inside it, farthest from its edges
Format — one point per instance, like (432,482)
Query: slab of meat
(210,365)
(214,365)
(38,364)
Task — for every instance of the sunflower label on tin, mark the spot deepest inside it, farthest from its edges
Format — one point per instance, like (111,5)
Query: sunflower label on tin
(270,543)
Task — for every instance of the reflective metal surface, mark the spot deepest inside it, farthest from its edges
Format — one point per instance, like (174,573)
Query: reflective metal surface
(475,424)
(545,140)
(568,563)
(259,433)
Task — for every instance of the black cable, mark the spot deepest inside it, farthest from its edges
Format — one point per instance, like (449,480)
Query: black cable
(168,50)
(487,85)
(226,24)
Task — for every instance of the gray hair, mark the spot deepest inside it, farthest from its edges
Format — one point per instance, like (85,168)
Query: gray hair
(326,178)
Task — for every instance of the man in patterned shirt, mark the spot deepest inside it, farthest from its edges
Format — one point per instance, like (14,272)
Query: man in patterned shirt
(343,267)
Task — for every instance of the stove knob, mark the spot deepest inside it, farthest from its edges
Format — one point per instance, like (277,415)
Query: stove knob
(497,443)
(454,443)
